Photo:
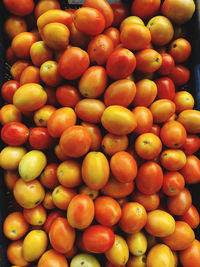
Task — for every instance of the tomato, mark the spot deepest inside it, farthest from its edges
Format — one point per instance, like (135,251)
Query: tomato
(190,119)
(10,178)
(67,95)
(21,8)
(144,119)
(114,35)
(167,64)
(84,189)
(155,129)
(98,162)
(84,260)
(78,38)
(52,258)
(107,211)
(191,255)
(17,69)
(14,25)
(181,238)
(146,92)
(120,64)
(61,231)
(162,110)
(42,115)
(191,170)
(40,139)
(149,202)
(44,6)
(160,256)
(118,120)
(40,53)
(90,110)
(14,254)
(150,178)
(98,239)
(62,196)
(80,212)
(112,144)
(148,60)
(133,218)
(10,57)
(93,82)
(145,9)
(173,159)
(129,20)
(180,75)
(173,183)
(49,73)
(120,11)
(48,177)
(95,133)
(137,261)
(180,50)
(50,218)
(35,216)
(31,74)
(15,226)
(137,243)
(166,88)
(191,217)
(73,62)
(14,133)
(183,101)
(173,134)
(48,201)
(10,157)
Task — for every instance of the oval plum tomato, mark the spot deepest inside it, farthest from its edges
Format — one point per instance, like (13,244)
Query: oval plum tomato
(59,232)
(35,216)
(31,74)
(191,255)
(14,25)
(21,44)
(21,8)
(148,146)
(118,120)
(80,212)
(95,161)
(48,178)
(107,211)
(191,120)
(112,144)
(192,144)
(52,258)
(75,141)
(14,254)
(155,129)
(129,20)
(10,178)
(78,38)
(165,226)
(40,53)
(158,254)
(73,62)
(162,110)
(40,138)
(183,101)
(84,259)
(150,178)
(93,82)
(173,183)
(123,167)
(89,20)
(8,89)
(10,57)
(98,239)
(114,35)
(67,95)
(180,50)
(120,11)
(167,64)
(48,201)
(10,157)
(137,243)
(15,226)
(173,134)
(133,218)
(120,64)
(191,217)
(116,189)
(181,238)
(180,203)
(95,133)
(42,115)
(146,92)
(191,170)
(148,60)
(50,219)
(84,189)
(145,8)
(180,75)
(100,48)
(17,69)
(44,6)
(173,159)
(149,202)
(166,88)
(49,73)
(60,120)
(144,119)
(135,260)
(62,196)
(14,133)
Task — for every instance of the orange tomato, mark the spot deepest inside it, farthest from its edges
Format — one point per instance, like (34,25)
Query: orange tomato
(10,178)
(112,144)
(191,120)
(130,20)
(35,216)
(145,8)
(191,170)
(191,255)
(162,110)
(17,68)
(14,254)
(160,255)
(95,133)
(180,50)
(114,35)
(31,74)
(183,101)
(14,25)
(45,5)
(149,202)
(148,60)
(173,159)
(144,119)
(48,177)
(120,11)
(191,217)
(173,183)
(49,73)
(52,258)
(78,38)
(67,95)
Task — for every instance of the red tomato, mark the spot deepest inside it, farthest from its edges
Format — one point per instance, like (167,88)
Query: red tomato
(73,62)
(145,9)
(50,219)
(19,8)
(166,88)
(191,170)
(14,133)
(120,11)
(149,202)
(8,89)
(59,232)
(191,217)
(191,255)
(173,183)
(67,95)
(167,64)
(180,75)
(120,64)
(98,239)
(150,178)
(40,138)
(192,144)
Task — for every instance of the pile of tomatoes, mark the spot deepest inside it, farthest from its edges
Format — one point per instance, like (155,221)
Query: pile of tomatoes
(99,135)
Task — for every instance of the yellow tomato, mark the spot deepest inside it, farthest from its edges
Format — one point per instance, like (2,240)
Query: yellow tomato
(137,243)
(84,260)
(191,120)
(137,261)
(10,157)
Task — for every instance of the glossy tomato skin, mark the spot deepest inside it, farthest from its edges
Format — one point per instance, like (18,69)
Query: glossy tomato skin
(191,255)
(149,202)
(148,60)
(21,8)
(167,64)
(191,217)
(17,68)
(67,95)
(120,11)
(40,138)
(145,9)
(180,75)
(48,177)
(114,35)
(14,133)
(95,133)
(162,110)
(144,119)
(59,232)
(114,143)
(98,239)
(191,170)
(173,183)
(166,88)
(180,49)
(50,219)
(192,144)
(14,253)
(52,258)
(8,89)
(173,159)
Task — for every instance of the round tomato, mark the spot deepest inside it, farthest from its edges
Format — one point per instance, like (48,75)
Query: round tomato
(11,156)
(173,183)
(44,6)
(14,25)
(180,50)
(173,159)
(95,133)
(67,95)
(137,243)
(49,73)
(112,144)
